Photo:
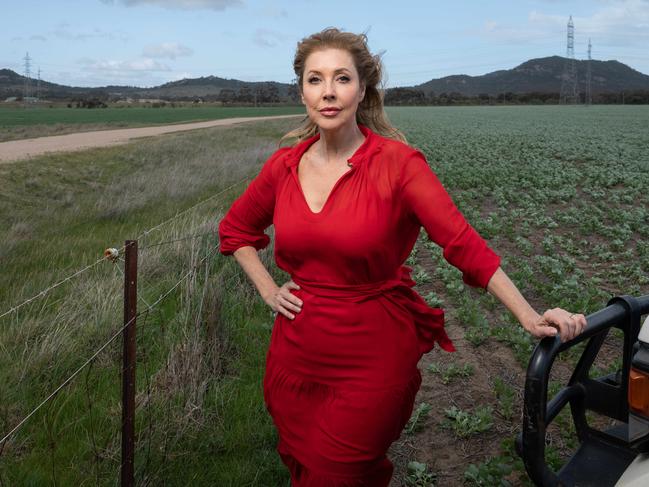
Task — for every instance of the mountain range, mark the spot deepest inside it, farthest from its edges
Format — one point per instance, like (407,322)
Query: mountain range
(542,75)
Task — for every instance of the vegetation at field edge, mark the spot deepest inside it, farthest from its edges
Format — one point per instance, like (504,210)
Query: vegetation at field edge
(22,123)
(559,192)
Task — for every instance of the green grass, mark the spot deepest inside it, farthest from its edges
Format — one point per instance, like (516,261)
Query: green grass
(201,352)
(133,115)
(559,191)
(20,123)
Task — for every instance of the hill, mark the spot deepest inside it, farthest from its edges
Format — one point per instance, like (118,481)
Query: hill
(541,75)
(12,84)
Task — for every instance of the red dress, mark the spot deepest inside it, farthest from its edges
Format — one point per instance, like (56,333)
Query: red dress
(341,378)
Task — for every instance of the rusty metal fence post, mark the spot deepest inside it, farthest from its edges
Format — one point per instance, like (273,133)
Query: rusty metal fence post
(128,369)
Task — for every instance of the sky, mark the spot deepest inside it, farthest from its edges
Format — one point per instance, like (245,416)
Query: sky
(150,42)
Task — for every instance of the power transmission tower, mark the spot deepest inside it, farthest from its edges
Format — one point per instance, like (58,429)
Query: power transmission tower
(589,92)
(569,90)
(38,85)
(26,87)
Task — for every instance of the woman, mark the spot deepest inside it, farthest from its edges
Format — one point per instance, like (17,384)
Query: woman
(347,202)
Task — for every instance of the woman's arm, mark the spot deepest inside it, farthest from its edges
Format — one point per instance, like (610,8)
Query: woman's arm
(280,299)
(425,197)
(553,321)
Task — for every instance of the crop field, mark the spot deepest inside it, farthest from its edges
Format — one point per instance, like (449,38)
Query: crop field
(559,192)
(21,123)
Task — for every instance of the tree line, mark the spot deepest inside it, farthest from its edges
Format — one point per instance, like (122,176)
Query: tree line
(266,93)
(414,97)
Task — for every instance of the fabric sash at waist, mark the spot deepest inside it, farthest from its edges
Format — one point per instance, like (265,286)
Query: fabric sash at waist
(429,322)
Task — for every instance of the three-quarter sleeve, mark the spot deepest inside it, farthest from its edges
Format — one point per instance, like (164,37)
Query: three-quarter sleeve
(251,213)
(427,200)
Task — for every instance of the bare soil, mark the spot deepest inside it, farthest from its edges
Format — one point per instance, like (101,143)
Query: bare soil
(16,150)
(448,456)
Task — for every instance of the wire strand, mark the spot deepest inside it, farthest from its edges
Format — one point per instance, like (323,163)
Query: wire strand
(193,269)
(68,380)
(98,351)
(157,244)
(121,249)
(146,232)
(139,295)
(121,329)
(53,286)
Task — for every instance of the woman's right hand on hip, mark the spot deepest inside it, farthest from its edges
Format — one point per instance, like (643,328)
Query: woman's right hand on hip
(283,301)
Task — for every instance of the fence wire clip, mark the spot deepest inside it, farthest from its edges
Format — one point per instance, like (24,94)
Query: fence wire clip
(111,254)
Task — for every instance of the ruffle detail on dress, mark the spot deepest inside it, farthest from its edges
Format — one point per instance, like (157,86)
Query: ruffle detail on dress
(429,322)
(278,376)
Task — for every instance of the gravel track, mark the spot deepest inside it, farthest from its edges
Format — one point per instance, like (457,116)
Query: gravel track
(15,150)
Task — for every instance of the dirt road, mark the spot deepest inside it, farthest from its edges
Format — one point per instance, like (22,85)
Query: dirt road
(16,150)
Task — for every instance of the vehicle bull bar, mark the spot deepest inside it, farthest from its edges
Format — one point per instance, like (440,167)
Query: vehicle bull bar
(605,395)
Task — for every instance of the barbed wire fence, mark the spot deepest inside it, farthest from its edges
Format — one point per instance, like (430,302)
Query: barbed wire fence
(114,256)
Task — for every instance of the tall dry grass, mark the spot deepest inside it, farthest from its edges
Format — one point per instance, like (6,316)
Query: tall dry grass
(200,350)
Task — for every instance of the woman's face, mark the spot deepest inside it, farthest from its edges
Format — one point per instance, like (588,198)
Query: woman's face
(331,81)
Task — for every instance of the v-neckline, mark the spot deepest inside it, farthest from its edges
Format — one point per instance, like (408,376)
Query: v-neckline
(331,191)
(356,159)
(350,163)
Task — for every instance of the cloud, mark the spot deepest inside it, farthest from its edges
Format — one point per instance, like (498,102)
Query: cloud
(518,34)
(274,12)
(122,69)
(179,76)
(612,25)
(616,18)
(38,37)
(141,72)
(137,65)
(181,4)
(268,38)
(169,50)
(99,78)
(62,31)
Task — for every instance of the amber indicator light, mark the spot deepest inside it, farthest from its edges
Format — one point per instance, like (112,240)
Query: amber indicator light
(639,392)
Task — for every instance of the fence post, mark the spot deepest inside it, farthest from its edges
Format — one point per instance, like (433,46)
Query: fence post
(128,369)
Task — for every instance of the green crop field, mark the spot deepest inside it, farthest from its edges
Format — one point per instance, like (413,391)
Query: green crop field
(559,192)
(19,123)
(565,187)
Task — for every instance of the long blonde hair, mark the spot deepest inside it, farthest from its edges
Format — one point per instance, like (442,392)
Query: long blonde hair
(370,70)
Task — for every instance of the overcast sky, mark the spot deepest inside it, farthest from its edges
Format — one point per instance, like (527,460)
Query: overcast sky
(150,42)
